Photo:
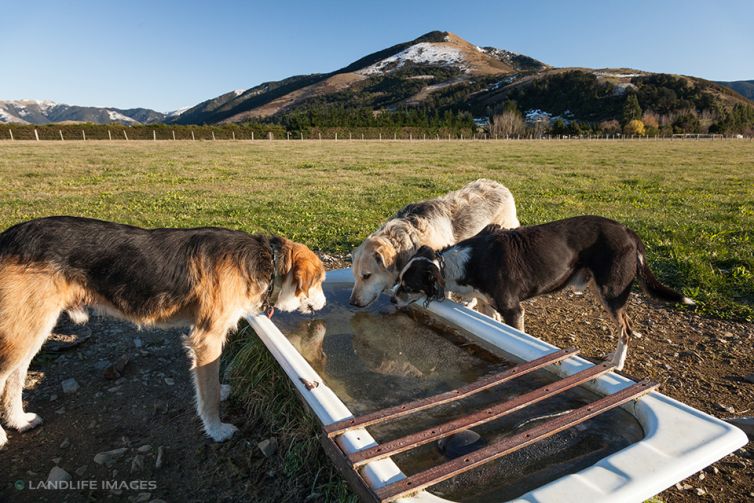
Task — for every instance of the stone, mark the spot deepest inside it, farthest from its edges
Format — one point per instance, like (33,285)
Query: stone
(57,474)
(65,443)
(137,463)
(700,491)
(745,423)
(727,408)
(459,444)
(749,378)
(144,448)
(169,381)
(70,386)
(160,453)
(109,458)
(81,470)
(268,446)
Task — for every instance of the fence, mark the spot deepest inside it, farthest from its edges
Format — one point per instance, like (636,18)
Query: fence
(208,133)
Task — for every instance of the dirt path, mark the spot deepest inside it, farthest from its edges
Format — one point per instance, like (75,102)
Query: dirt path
(149,409)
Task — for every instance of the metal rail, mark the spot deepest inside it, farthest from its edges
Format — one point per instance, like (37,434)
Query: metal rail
(405,409)
(437,474)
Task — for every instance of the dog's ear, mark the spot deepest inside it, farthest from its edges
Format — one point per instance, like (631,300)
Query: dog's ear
(435,284)
(384,255)
(425,251)
(306,268)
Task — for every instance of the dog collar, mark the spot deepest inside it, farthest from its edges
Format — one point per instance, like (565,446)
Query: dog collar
(275,285)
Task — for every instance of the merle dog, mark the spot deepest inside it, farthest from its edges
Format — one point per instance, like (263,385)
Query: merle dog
(504,267)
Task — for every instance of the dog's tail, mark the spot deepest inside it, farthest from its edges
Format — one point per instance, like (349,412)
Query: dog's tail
(650,283)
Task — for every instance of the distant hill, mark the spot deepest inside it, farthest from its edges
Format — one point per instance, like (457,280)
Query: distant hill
(743,87)
(46,112)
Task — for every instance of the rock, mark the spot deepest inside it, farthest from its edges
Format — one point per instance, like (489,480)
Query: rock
(81,470)
(749,378)
(160,453)
(101,364)
(460,443)
(70,386)
(65,443)
(683,486)
(144,448)
(57,474)
(110,457)
(268,446)
(53,397)
(138,343)
(115,370)
(746,423)
(169,381)
(57,460)
(137,463)
(700,491)
(727,408)
(142,497)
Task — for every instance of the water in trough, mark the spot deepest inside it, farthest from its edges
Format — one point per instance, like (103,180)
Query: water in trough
(379,356)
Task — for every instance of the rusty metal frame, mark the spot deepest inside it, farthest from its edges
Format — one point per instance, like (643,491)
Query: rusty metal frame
(437,474)
(349,464)
(486,415)
(405,409)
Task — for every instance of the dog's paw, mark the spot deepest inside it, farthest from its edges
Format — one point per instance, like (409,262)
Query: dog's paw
(225,390)
(25,422)
(221,432)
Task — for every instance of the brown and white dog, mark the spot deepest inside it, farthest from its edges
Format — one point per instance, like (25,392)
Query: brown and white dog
(204,278)
(436,223)
(509,266)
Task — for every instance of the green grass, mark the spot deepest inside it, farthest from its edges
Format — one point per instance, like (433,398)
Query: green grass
(691,201)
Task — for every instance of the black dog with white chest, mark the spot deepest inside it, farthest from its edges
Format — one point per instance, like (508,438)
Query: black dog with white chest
(504,267)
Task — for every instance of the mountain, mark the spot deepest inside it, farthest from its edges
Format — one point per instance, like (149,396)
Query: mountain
(743,87)
(440,71)
(46,112)
(441,74)
(404,74)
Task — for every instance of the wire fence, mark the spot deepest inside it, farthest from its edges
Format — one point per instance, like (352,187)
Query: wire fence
(209,133)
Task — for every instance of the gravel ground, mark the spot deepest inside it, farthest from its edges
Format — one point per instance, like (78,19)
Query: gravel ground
(134,426)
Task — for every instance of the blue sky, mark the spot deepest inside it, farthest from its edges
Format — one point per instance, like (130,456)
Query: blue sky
(165,55)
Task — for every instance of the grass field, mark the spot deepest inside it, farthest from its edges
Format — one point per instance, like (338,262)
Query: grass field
(691,201)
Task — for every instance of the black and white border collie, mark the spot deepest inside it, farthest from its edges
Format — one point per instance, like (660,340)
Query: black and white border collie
(504,267)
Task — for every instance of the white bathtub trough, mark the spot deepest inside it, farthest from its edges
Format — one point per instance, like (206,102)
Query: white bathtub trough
(678,440)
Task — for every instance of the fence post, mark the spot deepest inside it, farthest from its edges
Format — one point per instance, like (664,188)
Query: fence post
(61,134)
(336,136)
(193,138)
(234,135)
(11,134)
(173,131)
(462,136)
(302,135)
(424,136)
(252,136)
(395,136)
(349,136)
(83,135)
(287,135)
(36,134)
(124,134)
(380,136)
(109,135)
(269,135)
(213,136)
(410,136)
(362,136)
(320,136)
(154,135)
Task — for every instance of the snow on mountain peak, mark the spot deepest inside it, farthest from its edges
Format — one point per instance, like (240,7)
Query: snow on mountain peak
(421,53)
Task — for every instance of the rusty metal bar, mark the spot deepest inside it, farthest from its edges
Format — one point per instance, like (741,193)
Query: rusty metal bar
(486,415)
(511,444)
(357,484)
(383,415)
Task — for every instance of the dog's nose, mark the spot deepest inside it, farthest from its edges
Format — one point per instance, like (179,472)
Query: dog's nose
(353,302)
